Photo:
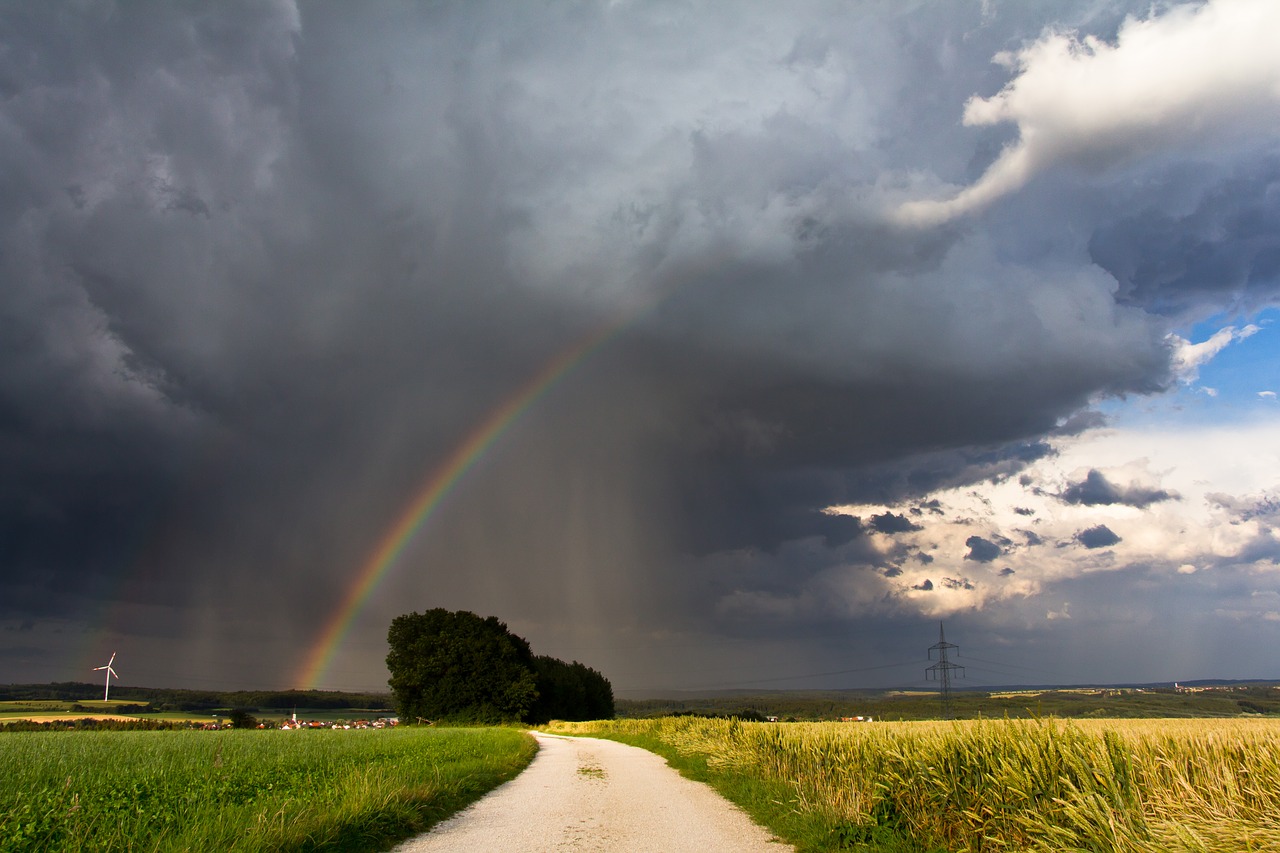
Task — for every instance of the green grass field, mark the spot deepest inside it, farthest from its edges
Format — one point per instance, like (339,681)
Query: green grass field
(243,790)
(1149,786)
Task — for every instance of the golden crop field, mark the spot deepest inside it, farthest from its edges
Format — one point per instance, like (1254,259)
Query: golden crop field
(1101,785)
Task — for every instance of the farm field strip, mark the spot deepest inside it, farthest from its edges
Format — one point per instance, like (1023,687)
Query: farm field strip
(243,790)
(36,710)
(1124,785)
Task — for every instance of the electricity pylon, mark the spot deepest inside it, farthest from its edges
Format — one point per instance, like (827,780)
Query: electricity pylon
(942,670)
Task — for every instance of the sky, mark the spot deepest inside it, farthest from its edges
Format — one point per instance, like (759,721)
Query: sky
(716,348)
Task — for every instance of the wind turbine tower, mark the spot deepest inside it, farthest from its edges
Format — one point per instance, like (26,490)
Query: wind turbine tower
(110,672)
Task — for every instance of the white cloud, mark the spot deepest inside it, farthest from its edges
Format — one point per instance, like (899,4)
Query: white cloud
(1188,358)
(1267,395)
(1221,510)
(1194,75)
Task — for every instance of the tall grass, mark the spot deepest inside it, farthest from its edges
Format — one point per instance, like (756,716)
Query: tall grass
(1113,785)
(243,790)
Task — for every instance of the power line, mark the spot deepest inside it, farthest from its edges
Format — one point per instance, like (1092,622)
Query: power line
(942,670)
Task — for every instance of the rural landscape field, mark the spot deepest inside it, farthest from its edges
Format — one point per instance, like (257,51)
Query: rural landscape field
(1101,785)
(1200,776)
(246,790)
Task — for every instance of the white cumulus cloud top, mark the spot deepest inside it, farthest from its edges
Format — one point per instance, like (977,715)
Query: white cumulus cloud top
(1173,80)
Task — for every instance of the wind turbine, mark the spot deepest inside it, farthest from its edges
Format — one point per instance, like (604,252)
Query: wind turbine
(110,672)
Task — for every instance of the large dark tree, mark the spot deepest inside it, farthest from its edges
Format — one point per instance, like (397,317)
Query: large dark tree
(598,698)
(448,665)
(570,691)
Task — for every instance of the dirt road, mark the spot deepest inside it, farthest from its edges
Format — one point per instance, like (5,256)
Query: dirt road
(584,794)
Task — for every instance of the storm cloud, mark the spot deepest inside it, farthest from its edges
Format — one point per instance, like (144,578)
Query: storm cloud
(889,523)
(1095,490)
(1097,537)
(270,266)
(981,550)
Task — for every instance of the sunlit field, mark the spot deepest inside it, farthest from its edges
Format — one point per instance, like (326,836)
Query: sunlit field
(243,790)
(1098,785)
(125,710)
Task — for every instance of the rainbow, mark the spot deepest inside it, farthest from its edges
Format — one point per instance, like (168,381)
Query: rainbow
(434,489)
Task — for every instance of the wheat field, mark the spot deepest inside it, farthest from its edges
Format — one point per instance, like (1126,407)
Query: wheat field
(1099,785)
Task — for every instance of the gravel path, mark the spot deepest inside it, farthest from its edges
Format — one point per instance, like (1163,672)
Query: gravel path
(587,794)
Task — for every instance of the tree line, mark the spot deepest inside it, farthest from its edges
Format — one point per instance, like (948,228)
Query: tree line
(457,666)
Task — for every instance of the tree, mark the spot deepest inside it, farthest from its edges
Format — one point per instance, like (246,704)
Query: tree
(570,692)
(454,665)
(241,719)
(560,693)
(598,698)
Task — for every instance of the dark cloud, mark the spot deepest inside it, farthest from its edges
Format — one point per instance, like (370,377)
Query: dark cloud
(1228,244)
(1100,536)
(925,585)
(268,268)
(982,550)
(934,507)
(837,530)
(889,523)
(1096,490)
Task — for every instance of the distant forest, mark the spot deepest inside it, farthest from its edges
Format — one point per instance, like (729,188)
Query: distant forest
(172,699)
(1198,700)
